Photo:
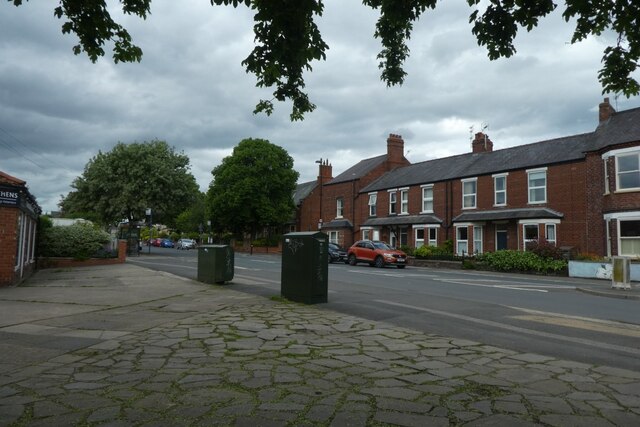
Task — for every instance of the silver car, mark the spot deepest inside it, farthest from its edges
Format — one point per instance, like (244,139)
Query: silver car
(186,244)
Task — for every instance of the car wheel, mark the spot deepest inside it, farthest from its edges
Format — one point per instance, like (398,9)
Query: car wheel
(401,266)
(379,262)
(352,260)
(330,259)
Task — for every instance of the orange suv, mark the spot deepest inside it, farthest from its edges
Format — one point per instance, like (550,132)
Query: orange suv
(375,253)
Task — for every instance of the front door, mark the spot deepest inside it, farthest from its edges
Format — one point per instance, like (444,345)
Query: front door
(501,239)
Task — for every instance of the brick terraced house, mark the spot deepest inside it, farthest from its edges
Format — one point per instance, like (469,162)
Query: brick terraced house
(18,224)
(580,192)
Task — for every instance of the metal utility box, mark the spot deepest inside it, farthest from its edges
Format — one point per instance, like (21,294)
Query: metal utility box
(215,263)
(621,274)
(305,267)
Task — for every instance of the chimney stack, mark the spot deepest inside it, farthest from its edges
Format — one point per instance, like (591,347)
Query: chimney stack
(325,171)
(481,143)
(395,149)
(606,111)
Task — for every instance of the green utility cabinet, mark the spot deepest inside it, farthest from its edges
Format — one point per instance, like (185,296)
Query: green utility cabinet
(215,263)
(305,267)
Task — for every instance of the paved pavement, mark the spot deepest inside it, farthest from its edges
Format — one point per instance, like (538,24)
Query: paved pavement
(603,288)
(123,345)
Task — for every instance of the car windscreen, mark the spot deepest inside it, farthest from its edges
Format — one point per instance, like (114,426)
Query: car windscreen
(380,245)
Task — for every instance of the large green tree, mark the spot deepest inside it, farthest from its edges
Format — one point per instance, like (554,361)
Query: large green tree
(191,219)
(252,188)
(288,40)
(122,183)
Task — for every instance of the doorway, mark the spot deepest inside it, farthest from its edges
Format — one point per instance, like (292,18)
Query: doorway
(501,238)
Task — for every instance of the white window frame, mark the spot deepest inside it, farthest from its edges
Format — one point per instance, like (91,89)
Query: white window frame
(339,207)
(459,241)
(334,236)
(496,191)
(478,239)
(531,189)
(427,188)
(404,201)
(473,195)
(553,227)
(393,239)
(606,175)
(404,232)
(419,242)
(621,239)
(537,222)
(637,171)
(393,202)
(366,233)
(373,201)
(432,241)
(524,233)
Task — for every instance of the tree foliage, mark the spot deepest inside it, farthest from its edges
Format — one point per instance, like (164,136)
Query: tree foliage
(288,40)
(124,182)
(252,188)
(193,217)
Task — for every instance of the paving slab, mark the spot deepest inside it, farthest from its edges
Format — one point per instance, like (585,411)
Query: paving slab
(124,345)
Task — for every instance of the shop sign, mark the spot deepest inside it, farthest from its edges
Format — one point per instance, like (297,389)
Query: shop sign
(9,196)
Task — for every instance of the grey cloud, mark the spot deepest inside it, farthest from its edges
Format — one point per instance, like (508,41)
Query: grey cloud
(191,91)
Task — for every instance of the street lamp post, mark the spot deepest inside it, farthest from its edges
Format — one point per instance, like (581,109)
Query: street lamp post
(150,224)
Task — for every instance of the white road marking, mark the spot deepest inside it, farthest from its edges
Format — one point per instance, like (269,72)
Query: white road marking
(590,343)
(512,287)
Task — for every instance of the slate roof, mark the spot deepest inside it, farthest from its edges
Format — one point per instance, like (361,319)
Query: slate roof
(621,127)
(498,214)
(403,220)
(302,191)
(474,164)
(358,170)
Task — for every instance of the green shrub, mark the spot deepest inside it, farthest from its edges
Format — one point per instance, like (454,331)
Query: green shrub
(407,250)
(468,264)
(427,251)
(80,241)
(510,260)
(44,223)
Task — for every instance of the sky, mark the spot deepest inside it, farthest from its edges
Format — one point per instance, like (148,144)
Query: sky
(57,110)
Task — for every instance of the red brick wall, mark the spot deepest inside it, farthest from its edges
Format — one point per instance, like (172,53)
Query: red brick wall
(566,185)
(309,212)
(331,193)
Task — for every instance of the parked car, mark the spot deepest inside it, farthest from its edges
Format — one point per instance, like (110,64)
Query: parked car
(186,244)
(156,242)
(167,243)
(337,253)
(376,253)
